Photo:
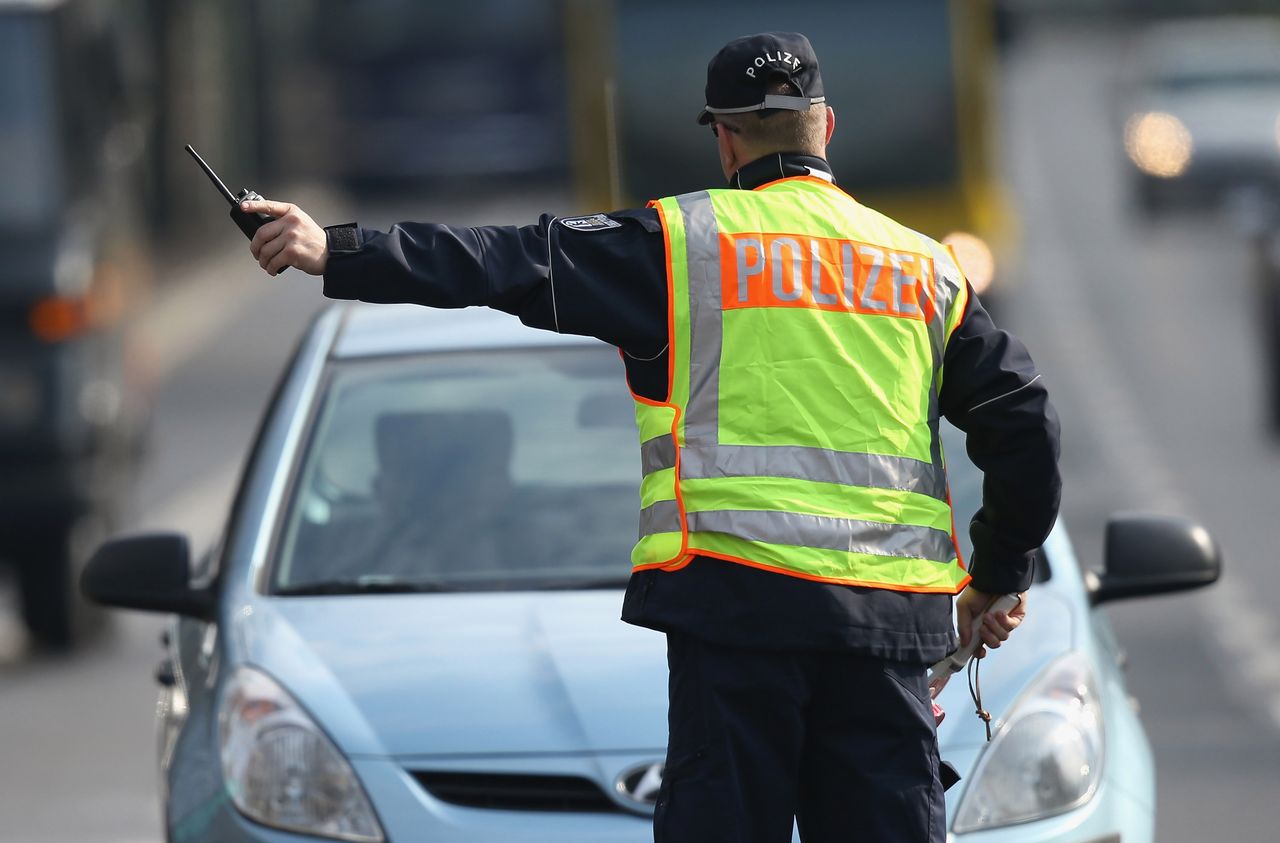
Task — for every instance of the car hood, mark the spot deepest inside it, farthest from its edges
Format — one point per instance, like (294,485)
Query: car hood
(473,674)
(467,673)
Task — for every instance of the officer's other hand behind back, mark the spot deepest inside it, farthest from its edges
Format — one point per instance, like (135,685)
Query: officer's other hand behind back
(293,239)
(995,627)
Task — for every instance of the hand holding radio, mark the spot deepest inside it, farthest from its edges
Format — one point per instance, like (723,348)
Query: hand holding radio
(988,618)
(292,238)
(281,235)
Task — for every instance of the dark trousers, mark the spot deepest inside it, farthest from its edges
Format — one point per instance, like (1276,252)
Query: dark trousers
(843,744)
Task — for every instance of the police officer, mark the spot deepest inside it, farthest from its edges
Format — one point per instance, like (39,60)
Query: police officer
(787,348)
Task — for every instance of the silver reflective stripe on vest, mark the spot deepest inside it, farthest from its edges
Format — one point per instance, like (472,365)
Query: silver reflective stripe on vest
(873,538)
(706,331)
(657,454)
(876,471)
(946,290)
(660,517)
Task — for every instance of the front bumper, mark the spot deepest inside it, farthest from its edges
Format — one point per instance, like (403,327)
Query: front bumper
(407,812)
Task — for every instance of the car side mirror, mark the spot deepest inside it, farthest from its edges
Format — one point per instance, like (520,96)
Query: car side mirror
(150,572)
(1154,554)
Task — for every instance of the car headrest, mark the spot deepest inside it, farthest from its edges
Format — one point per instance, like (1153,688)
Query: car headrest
(472,440)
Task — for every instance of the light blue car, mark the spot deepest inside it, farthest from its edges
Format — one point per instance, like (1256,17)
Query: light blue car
(408,630)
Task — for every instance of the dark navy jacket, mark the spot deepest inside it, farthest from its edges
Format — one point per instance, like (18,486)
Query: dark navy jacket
(607,279)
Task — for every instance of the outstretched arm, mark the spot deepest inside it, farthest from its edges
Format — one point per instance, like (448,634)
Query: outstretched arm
(606,280)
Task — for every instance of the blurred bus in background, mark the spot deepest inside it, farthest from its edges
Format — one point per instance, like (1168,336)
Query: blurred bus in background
(912,84)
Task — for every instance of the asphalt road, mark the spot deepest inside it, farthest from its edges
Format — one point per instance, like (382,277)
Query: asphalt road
(1144,332)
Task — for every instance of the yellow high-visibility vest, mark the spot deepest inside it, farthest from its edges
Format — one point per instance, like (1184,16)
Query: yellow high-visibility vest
(800,431)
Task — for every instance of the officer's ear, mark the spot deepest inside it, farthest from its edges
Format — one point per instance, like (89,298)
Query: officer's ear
(726,146)
(831,125)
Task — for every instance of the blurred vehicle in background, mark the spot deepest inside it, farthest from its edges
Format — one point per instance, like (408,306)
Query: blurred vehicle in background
(1202,112)
(409,627)
(1203,130)
(913,85)
(72,405)
(436,93)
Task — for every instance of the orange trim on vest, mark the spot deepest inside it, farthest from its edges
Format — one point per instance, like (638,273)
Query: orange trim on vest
(681,562)
(684,516)
(954,541)
(832,580)
(683,558)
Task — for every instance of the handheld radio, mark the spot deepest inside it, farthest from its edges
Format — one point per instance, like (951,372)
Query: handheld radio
(248,223)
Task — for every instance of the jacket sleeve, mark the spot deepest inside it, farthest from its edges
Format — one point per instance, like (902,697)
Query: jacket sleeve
(992,391)
(607,283)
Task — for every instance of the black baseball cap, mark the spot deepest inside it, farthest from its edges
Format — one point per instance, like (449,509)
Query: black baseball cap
(738,75)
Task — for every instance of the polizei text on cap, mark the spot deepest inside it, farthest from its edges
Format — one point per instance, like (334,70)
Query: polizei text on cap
(779,57)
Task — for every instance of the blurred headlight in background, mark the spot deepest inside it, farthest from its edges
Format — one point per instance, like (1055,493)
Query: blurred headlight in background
(1158,143)
(282,771)
(1046,759)
(976,260)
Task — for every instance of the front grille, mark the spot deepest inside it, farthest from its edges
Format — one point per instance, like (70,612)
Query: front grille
(507,792)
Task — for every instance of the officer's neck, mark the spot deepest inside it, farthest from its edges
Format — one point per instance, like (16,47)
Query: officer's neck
(780,165)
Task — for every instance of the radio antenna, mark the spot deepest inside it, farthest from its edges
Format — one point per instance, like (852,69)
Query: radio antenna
(213,177)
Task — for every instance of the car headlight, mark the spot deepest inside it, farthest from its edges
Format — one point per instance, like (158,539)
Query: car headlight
(1159,144)
(975,258)
(1046,759)
(281,770)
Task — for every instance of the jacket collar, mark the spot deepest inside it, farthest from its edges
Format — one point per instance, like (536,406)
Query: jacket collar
(780,165)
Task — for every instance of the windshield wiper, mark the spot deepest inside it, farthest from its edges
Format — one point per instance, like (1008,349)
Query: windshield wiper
(364,585)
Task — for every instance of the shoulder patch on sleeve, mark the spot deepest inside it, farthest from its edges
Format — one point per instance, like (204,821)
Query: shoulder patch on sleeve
(593,222)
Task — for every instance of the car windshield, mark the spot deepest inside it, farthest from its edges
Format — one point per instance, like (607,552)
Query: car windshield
(475,471)
(467,471)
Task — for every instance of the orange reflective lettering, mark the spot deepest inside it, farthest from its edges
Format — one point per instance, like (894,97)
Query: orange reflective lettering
(791,270)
